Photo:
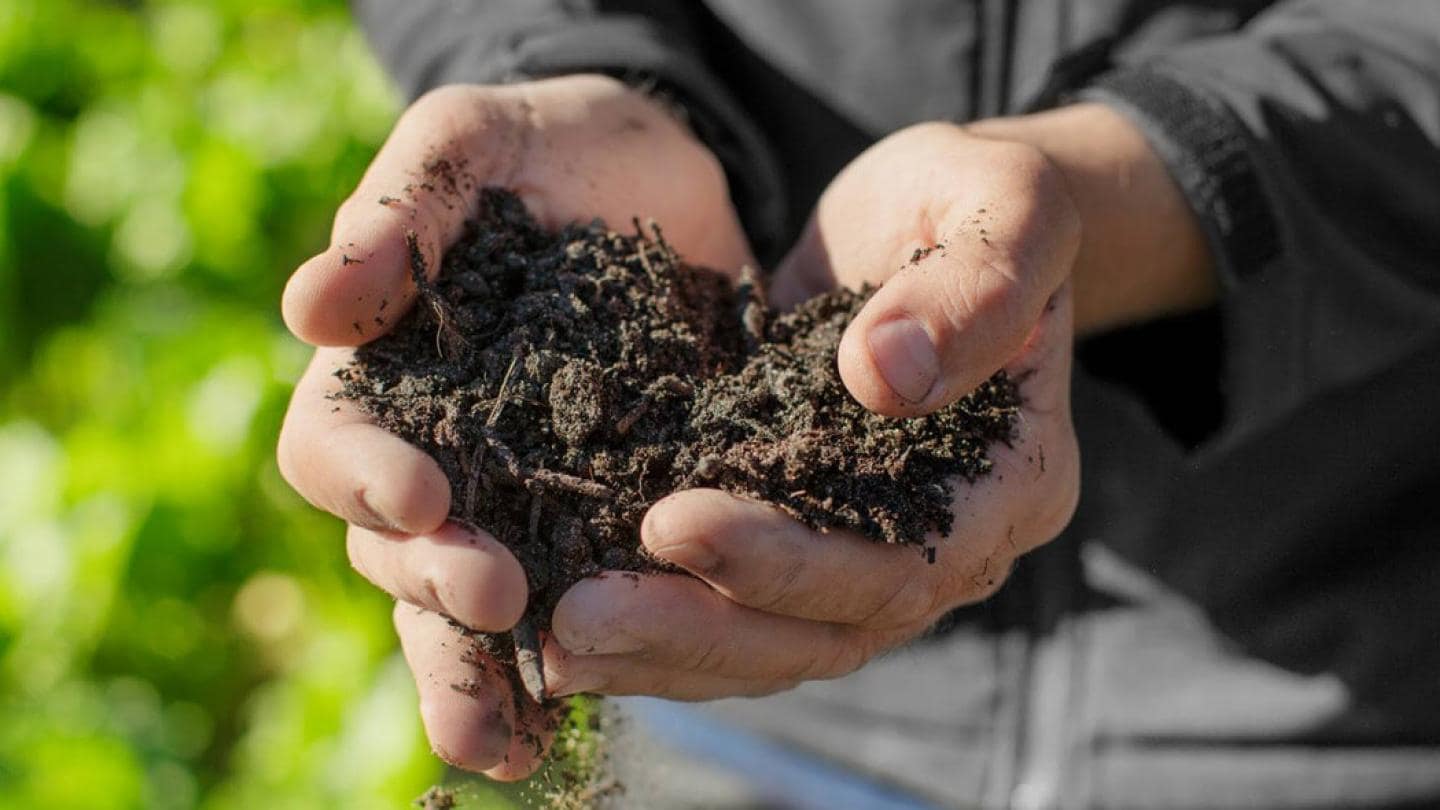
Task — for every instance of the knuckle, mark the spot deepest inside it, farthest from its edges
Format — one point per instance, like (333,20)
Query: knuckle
(1001,285)
(656,683)
(439,101)
(708,654)
(775,591)
(1024,166)
(911,601)
(846,652)
(427,587)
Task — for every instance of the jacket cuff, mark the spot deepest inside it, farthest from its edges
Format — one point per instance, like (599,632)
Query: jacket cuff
(1207,153)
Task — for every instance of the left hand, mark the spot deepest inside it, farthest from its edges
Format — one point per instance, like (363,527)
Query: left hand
(774,603)
(574,147)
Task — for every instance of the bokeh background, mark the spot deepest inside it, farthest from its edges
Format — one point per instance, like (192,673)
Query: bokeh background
(177,628)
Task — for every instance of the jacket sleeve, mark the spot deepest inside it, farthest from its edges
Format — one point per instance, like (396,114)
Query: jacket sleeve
(1309,145)
(428,43)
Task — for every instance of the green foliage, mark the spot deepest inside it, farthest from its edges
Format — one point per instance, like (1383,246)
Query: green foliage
(178,629)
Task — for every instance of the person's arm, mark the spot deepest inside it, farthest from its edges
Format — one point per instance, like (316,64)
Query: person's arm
(428,43)
(1143,254)
(1307,150)
(1289,172)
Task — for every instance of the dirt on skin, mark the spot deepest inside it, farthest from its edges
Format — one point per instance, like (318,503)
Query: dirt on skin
(567,381)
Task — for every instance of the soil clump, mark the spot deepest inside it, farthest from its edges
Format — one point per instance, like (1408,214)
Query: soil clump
(565,381)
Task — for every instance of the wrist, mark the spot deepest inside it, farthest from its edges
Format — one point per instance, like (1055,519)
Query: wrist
(1142,254)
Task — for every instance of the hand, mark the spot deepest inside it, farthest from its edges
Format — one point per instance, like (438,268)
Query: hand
(574,148)
(776,603)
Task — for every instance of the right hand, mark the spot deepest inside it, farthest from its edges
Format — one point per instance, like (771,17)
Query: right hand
(574,148)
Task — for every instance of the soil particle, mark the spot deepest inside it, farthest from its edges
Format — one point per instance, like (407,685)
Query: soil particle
(436,798)
(565,381)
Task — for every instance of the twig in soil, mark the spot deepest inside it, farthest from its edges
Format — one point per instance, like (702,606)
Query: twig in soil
(432,297)
(500,397)
(505,454)
(477,463)
(632,416)
(472,485)
(669,252)
(670,383)
(537,502)
(541,476)
(642,249)
(571,483)
(750,293)
(528,660)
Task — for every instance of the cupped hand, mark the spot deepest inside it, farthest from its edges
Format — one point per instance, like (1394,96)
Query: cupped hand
(974,240)
(574,148)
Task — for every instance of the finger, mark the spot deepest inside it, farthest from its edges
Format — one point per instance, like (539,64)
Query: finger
(621,675)
(950,318)
(424,179)
(527,750)
(764,559)
(1043,457)
(680,623)
(804,272)
(466,702)
(340,462)
(466,576)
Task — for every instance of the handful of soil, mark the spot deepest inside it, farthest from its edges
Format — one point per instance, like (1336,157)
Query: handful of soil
(567,381)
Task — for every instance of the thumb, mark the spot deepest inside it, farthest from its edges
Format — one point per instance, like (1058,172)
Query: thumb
(955,315)
(425,180)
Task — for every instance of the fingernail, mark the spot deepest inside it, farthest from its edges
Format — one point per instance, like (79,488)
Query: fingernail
(697,558)
(658,535)
(586,621)
(906,357)
(371,518)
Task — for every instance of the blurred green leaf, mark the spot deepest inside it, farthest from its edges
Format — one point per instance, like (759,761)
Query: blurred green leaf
(177,628)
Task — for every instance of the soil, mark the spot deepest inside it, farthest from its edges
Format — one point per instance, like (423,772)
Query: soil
(565,381)
(436,798)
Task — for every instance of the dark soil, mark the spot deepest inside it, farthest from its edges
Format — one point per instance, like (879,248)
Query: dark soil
(566,381)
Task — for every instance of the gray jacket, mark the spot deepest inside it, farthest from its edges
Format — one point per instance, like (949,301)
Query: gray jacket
(1246,610)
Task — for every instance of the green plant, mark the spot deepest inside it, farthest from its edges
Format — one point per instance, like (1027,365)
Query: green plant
(177,629)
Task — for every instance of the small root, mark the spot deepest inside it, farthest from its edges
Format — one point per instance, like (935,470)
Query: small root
(441,310)
(539,479)
(499,405)
(506,455)
(670,383)
(472,483)
(570,483)
(632,416)
(537,503)
(528,659)
(750,300)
